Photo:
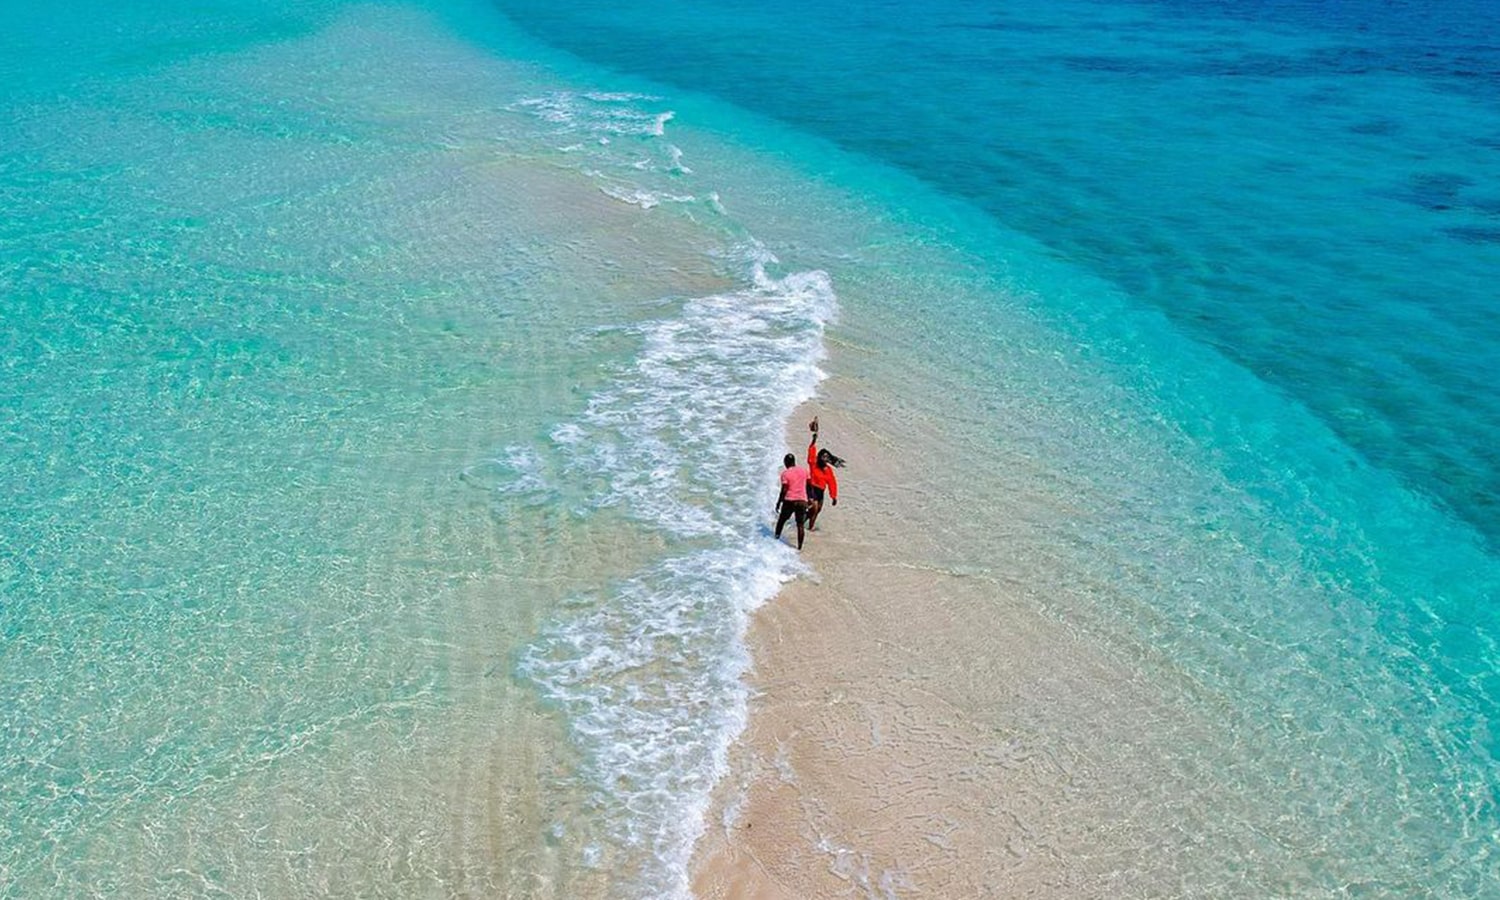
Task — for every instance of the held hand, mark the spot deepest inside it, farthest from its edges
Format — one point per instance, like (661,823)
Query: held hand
(813,425)
(835,501)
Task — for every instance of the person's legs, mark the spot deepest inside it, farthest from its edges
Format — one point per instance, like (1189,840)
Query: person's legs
(801,514)
(814,506)
(786,513)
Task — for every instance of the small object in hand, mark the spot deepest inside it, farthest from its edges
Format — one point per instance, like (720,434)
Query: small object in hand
(813,425)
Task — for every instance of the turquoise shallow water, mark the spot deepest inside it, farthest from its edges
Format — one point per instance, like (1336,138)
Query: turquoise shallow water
(388,401)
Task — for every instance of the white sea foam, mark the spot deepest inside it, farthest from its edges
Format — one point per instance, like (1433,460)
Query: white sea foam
(617,96)
(518,471)
(594,122)
(643,198)
(686,440)
(612,113)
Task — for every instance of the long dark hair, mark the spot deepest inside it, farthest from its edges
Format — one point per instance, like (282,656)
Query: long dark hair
(836,461)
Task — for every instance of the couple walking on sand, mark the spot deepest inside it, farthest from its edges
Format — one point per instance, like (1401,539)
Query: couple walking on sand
(803,489)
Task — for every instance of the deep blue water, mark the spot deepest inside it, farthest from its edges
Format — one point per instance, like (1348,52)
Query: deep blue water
(1311,188)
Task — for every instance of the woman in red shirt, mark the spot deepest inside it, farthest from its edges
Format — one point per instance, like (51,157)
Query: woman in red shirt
(820,477)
